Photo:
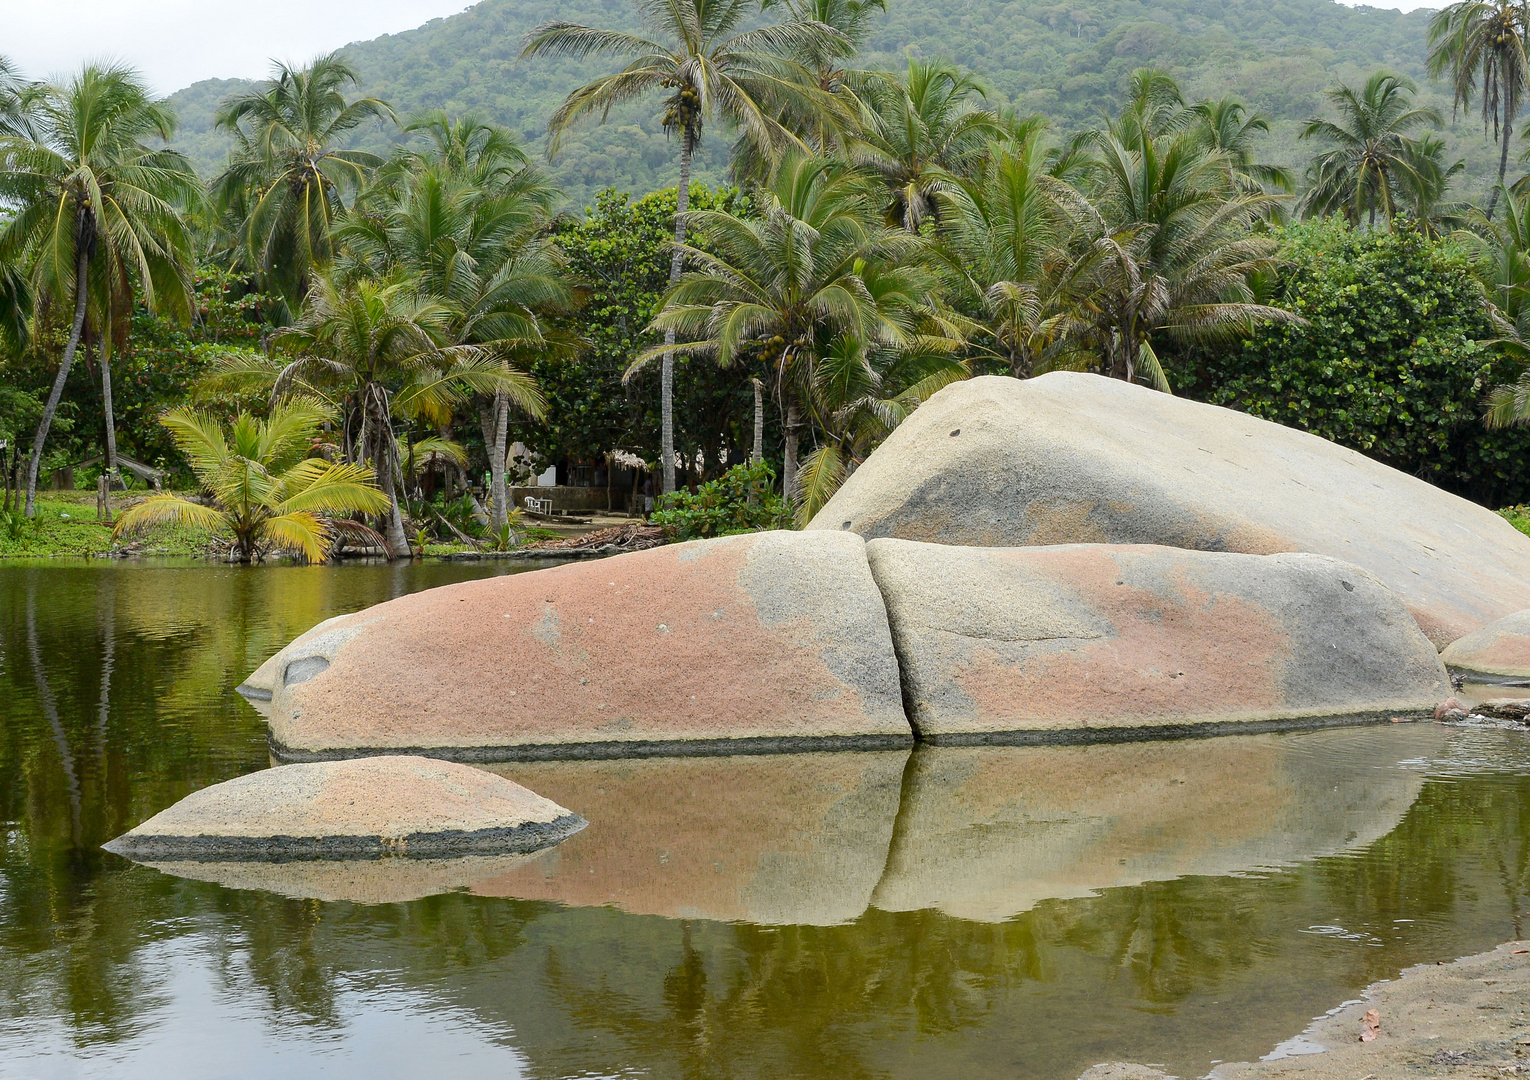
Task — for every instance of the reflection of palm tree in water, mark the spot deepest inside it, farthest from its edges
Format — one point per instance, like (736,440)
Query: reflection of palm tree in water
(107,600)
(50,712)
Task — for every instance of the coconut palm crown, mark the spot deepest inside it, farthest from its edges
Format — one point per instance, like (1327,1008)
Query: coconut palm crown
(266,492)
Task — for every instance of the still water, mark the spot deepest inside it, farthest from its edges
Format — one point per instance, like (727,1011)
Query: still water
(947,913)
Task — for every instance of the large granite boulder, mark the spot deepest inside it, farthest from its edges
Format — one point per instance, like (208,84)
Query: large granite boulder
(1098,640)
(364,808)
(1499,648)
(770,641)
(1077,458)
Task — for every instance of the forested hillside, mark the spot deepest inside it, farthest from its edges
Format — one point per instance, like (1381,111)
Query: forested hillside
(1066,60)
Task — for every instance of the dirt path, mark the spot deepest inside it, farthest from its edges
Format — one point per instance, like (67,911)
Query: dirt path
(1467,1019)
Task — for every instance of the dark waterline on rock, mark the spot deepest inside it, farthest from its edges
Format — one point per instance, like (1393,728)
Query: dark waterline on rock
(951,912)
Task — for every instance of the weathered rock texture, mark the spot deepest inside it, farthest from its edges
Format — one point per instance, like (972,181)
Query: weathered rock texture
(987,832)
(778,839)
(762,642)
(1076,458)
(1499,648)
(1005,643)
(1464,1019)
(362,808)
(262,681)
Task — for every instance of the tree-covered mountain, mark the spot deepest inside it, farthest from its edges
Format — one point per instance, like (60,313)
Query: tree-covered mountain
(1067,60)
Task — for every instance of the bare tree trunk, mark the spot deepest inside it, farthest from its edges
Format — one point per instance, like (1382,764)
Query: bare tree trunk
(758,454)
(497,460)
(393,532)
(1503,167)
(789,465)
(106,405)
(667,372)
(81,265)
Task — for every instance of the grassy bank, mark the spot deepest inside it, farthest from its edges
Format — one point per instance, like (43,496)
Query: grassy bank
(66,525)
(1518,516)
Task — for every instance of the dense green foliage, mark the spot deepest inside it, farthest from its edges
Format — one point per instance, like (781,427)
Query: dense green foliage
(1390,362)
(1067,61)
(619,253)
(741,500)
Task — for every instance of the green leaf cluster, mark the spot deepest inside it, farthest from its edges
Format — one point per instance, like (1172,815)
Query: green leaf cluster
(741,500)
(619,253)
(1393,359)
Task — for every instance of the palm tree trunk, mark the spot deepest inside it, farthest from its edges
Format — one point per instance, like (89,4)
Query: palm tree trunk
(759,423)
(1503,167)
(667,372)
(393,531)
(81,265)
(111,422)
(497,460)
(106,405)
(789,465)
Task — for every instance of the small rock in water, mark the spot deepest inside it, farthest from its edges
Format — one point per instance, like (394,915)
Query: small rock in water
(358,808)
(1452,708)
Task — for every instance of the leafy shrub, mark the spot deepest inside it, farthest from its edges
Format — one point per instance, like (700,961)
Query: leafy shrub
(741,500)
(1392,362)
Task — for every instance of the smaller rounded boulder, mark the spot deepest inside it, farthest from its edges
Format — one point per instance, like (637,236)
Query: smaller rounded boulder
(1499,648)
(355,809)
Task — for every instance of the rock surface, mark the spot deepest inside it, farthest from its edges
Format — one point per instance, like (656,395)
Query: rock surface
(988,832)
(775,839)
(1499,648)
(368,807)
(262,681)
(1077,458)
(1006,644)
(1437,1020)
(770,641)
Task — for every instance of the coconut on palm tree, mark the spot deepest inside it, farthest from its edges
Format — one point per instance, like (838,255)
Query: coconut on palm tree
(1484,39)
(266,490)
(288,177)
(1374,164)
(97,209)
(706,67)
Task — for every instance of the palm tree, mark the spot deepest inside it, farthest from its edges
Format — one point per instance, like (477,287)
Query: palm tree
(1226,126)
(1484,39)
(1171,249)
(1001,244)
(380,349)
(268,493)
(927,130)
(1373,164)
(706,67)
(466,219)
(94,201)
(834,118)
(785,285)
(287,179)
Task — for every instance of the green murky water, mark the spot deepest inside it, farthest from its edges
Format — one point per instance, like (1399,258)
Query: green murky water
(963,913)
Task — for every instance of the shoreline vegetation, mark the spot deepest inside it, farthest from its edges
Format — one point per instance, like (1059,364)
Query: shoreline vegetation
(452,334)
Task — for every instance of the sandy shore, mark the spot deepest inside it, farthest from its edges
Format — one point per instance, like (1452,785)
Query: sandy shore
(1470,1018)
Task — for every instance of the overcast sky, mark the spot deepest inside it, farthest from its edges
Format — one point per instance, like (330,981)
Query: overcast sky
(177,42)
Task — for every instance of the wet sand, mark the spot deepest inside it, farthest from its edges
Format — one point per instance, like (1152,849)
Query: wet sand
(1470,1018)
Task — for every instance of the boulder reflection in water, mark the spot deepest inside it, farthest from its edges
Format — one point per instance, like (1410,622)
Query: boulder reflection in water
(982,833)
